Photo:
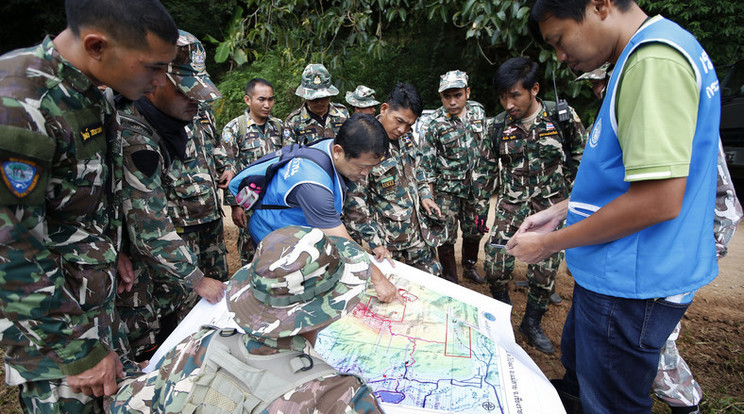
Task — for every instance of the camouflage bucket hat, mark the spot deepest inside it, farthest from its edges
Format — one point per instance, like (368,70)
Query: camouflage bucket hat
(316,83)
(188,70)
(299,280)
(433,228)
(362,97)
(453,79)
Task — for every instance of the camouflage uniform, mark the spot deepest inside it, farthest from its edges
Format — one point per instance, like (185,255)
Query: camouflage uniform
(305,281)
(244,148)
(166,389)
(193,198)
(383,209)
(59,228)
(302,127)
(451,148)
(532,177)
(159,255)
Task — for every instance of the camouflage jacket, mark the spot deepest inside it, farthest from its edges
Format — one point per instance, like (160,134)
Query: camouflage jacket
(59,230)
(251,144)
(452,146)
(532,163)
(191,184)
(384,207)
(153,241)
(728,211)
(166,389)
(300,127)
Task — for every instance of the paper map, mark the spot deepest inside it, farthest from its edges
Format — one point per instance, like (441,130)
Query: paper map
(445,349)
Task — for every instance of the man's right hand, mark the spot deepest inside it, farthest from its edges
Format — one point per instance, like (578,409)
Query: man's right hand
(238,216)
(99,380)
(385,289)
(381,253)
(210,289)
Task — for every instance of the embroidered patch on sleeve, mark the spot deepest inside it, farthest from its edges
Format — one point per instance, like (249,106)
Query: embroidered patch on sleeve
(21,176)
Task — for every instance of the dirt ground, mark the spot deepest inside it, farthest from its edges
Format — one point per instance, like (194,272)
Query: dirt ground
(711,341)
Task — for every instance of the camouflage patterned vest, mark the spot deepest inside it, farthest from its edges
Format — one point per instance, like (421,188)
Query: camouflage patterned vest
(232,380)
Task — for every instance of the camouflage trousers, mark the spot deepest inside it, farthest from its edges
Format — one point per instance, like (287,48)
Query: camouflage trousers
(419,255)
(152,297)
(207,241)
(56,397)
(457,209)
(674,383)
(499,265)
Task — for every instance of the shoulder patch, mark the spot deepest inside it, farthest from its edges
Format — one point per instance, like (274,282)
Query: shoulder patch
(146,161)
(20,176)
(286,133)
(227,136)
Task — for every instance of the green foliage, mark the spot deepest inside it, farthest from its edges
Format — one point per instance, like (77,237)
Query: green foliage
(716,24)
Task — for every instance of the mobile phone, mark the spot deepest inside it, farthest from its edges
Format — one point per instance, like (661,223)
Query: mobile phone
(498,243)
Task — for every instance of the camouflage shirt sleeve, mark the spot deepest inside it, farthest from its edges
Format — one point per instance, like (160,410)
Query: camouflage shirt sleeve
(485,173)
(428,149)
(358,216)
(150,231)
(576,136)
(728,210)
(230,144)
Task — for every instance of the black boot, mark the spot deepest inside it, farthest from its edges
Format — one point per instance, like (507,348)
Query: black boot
(570,401)
(470,249)
(501,294)
(531,327)
(449,264)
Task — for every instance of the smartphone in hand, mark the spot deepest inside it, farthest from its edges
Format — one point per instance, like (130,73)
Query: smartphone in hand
(498,243)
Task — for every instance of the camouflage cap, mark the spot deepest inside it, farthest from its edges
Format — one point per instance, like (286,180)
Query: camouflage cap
(188,70)
(300,280)
(362,97)
(433,228)
(316,83)
(597,74)
(453,79)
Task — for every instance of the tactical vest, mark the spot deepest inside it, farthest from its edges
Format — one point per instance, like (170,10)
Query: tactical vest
(232,380)
(639,265)
(499,125)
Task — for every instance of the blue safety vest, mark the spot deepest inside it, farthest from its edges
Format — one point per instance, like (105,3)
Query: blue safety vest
(669,258)
(296,172)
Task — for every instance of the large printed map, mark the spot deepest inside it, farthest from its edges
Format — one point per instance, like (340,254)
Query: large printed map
(421,353)
(431,351)
(444,348)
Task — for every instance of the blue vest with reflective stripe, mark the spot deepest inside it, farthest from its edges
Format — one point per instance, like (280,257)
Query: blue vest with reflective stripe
(672,257)
(297,171)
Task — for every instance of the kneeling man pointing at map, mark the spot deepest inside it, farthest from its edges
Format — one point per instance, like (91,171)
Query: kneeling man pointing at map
(299,282)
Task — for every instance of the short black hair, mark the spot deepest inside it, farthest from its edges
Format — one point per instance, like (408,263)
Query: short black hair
(256,81)
(562,9)
(516,69)
(360,134)
(127,21)
(405,96)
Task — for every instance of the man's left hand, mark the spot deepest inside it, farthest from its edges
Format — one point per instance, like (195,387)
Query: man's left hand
(225,179)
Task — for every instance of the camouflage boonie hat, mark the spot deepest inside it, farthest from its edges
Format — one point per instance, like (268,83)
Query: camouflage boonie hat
(434,228)
(300,280)
(597,74)
(453,79)
(188,70)
(316,83)
(362,97)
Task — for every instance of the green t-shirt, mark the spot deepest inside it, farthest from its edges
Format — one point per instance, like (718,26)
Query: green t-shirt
(657,104)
